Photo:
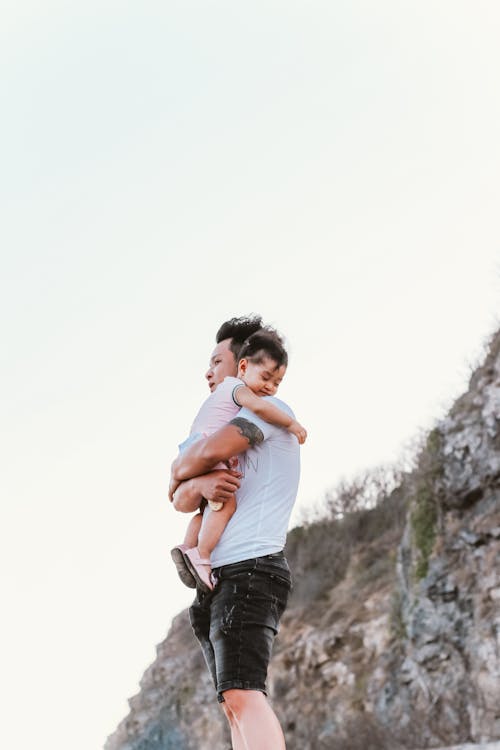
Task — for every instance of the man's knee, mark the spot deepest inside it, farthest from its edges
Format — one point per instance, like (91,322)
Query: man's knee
(235,701)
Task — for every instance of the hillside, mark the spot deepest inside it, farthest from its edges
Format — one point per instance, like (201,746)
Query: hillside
(392,636)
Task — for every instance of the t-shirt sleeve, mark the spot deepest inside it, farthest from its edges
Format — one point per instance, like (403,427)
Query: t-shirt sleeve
(234,392)
(264,427)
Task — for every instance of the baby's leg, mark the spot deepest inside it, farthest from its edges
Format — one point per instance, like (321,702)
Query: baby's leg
(197,559)
(193,531)
(214,523)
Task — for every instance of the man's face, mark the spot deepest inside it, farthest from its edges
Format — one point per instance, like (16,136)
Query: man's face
(222,364)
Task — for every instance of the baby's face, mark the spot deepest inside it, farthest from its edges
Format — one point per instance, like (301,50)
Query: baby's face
(262,378)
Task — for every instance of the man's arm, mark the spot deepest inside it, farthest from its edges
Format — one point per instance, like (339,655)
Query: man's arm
(235,437)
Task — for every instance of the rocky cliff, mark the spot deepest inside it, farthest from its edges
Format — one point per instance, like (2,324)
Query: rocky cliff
(392,636)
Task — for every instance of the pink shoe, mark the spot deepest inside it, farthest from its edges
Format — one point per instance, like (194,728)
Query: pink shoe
(200,569)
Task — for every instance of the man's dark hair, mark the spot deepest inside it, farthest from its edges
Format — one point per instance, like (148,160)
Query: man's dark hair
(238,330)
(264,343)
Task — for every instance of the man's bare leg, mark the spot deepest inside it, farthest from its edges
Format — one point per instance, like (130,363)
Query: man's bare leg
(237,742)
(254,725)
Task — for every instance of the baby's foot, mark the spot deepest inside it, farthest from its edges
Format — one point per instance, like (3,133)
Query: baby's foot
(215,505)
(200,569)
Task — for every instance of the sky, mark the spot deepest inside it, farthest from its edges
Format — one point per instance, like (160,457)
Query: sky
(166,166)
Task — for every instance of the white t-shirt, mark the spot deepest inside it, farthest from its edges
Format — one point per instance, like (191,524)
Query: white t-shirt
(266,496)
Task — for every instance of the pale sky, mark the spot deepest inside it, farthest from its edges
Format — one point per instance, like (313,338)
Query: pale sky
(165,166)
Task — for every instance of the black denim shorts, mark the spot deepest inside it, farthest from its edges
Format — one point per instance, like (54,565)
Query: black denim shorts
(237,622)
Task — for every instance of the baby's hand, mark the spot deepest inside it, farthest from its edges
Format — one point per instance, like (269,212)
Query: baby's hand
(232,463)
(300,432)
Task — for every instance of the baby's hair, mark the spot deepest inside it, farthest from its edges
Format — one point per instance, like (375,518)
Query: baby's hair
(238,330)
(264,343)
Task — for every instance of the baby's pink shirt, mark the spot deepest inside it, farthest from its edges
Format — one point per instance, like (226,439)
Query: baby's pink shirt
(218,409)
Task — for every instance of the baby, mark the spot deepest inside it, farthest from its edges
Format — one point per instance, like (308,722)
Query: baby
(262,365)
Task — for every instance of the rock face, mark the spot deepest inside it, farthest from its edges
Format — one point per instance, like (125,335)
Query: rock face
(392,636)
(450,672)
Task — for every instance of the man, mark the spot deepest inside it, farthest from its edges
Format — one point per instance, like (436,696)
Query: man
(236,623)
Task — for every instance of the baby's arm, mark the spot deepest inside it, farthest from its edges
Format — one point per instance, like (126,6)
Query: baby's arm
(243,396)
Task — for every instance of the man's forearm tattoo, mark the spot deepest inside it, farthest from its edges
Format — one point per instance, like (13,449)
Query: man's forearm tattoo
(249,430)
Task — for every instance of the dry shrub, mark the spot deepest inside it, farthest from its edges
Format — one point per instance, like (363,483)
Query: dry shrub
(364,492)
(354,513)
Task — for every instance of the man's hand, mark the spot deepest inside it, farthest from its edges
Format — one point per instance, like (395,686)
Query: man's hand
(219,485)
